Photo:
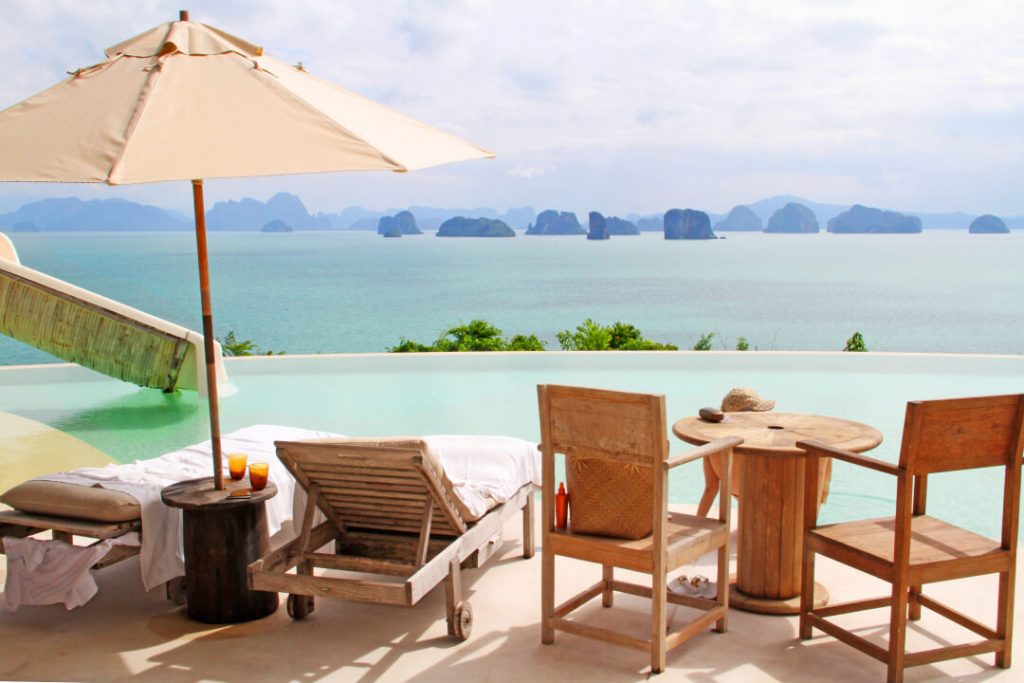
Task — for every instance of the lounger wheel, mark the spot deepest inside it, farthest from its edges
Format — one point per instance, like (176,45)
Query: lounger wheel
(463,625)
(175,590)
(300,606)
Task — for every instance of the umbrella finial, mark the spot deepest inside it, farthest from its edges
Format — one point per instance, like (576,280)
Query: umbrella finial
(183,15)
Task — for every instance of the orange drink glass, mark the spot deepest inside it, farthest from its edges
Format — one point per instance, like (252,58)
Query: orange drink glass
(236,465)
(258,475)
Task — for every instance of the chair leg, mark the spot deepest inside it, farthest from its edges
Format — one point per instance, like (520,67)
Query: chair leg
(659,620)
(528,541)
(806,592)
(897,633)
(547,595)
(711,484)
(722,625)
(1004,620)
(607,575)
(914,602)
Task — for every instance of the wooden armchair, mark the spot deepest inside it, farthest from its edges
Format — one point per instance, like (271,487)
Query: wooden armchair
(912,548)
(627,430)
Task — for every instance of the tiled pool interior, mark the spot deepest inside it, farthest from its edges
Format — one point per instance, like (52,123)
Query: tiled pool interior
(496,394)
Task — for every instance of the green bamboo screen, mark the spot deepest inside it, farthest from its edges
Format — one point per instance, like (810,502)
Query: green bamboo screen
(83,333)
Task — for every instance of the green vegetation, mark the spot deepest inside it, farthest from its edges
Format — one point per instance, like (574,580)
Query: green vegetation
(588,336)
(478,335)
(704,343)
(232,346)
(856,343)
(593,336)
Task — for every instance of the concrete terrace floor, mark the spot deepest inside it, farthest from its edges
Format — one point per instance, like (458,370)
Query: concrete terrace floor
(125,632)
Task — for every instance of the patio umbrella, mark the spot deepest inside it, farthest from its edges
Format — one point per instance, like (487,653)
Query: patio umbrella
(186,101)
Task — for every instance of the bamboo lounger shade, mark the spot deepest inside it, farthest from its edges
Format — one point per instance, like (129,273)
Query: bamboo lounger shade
(85,333)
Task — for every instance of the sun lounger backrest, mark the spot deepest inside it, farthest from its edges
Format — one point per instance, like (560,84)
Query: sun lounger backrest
(380,486)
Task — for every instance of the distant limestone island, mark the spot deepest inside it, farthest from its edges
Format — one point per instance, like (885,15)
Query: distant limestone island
(553,222)
(402,223)
(865,220)
(741,219)
(988,225)
(285,212)
(474,227)
(688,224)
(601,228)
(676,224)
(277,225)
(793,218)
(69,214)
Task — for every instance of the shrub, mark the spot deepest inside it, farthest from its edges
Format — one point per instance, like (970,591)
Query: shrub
(593,336)
(477,335)
(856,343)
(704,343)
(232,346)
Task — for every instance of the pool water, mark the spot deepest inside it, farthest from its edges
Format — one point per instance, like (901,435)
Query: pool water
(377,394)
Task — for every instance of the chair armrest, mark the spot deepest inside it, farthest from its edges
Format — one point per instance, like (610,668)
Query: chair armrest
(711,448)
(816,448)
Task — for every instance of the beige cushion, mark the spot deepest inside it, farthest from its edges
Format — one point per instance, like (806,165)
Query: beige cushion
(430,459)
(72,500)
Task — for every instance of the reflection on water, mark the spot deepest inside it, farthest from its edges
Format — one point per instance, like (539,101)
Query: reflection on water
(126,422)
(147,409)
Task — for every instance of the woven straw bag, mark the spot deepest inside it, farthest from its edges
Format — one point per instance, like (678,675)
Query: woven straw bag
(608,498)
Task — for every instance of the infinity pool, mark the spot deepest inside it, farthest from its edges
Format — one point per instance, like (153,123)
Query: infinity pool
(495,393)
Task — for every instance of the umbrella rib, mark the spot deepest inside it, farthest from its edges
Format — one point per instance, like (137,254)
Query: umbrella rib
(133,121)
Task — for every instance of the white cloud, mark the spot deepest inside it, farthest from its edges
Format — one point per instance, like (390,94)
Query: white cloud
(527,172)
(721,102)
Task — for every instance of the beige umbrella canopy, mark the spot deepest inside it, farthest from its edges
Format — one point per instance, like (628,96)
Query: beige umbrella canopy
(186,101)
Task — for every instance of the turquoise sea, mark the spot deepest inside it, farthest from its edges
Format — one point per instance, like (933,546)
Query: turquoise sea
(321,292)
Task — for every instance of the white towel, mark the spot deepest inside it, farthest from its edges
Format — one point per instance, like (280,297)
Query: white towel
(482,467)
(162,557)
(48,572)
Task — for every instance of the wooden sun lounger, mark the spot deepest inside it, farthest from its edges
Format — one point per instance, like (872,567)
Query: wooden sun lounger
(23,524)
(389,512)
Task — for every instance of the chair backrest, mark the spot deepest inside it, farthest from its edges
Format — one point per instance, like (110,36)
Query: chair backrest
(384,487)
(605,425)
(614,443)
(963,433)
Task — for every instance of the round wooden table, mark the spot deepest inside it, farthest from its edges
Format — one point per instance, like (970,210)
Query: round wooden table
(222,536)
(770,524)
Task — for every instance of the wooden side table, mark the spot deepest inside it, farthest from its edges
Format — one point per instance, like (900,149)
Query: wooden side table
(770,519)
(223,536)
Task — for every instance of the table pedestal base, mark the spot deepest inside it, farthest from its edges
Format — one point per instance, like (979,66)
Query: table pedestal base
(219,545)
(222,536)
(750,603)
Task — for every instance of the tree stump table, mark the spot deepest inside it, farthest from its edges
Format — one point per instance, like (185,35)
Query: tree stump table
(222,536)
(770,525)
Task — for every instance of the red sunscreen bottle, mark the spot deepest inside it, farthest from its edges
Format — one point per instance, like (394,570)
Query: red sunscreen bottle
(561,507)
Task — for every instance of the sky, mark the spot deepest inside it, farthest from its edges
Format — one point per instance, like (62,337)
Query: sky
(632,106)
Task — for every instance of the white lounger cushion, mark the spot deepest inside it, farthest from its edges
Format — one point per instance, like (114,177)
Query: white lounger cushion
(162,558)
(482,471)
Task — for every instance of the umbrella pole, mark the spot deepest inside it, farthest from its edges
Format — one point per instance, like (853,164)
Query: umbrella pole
(211,368)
